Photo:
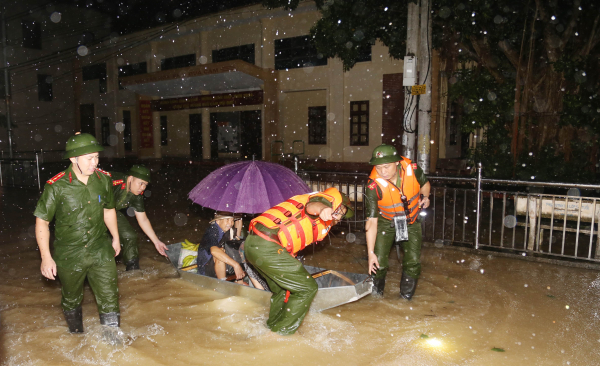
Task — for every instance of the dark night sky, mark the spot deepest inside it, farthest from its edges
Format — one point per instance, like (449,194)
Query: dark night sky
(133,15)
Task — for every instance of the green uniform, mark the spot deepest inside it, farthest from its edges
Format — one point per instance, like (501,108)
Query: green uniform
(411,261)
(123,200)
(82,247)
(283,273)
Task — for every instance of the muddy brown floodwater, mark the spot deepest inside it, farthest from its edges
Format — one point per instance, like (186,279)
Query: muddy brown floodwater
(469,309)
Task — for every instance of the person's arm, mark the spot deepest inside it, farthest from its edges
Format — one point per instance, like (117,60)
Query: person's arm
(110,219)
(221,256)
(319,209)
(146,226)
(425,190)
(42,235)
(371,229)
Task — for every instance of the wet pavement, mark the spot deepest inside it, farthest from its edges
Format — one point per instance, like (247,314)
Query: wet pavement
(469,308)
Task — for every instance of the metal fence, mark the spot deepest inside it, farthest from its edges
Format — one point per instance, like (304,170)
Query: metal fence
(20,173)
(513,216)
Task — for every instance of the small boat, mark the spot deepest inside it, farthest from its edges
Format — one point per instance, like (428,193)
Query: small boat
(335,288)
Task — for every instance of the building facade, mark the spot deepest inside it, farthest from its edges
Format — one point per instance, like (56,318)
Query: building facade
(236,84)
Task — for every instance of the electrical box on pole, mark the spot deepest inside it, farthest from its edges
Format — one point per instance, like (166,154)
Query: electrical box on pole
(410,71)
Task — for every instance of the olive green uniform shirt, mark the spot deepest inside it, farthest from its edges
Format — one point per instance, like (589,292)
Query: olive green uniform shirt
(371,195)
(124,198)
(79,212)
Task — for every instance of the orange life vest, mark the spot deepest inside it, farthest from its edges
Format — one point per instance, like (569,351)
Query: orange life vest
(390,203)
(296,228)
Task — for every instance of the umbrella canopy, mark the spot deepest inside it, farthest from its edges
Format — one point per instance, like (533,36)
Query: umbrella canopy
(247,187)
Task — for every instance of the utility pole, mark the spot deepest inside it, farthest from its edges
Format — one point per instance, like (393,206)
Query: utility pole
(425,72)
(6,87)
(410,105)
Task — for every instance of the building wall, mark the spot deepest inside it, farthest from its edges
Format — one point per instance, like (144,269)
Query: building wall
(297,89)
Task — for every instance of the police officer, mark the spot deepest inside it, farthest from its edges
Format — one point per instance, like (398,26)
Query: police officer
(128,189)
(273,241)
(81,200)
(396,191)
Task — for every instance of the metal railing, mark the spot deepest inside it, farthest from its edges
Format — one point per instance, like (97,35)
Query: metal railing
(504,216)
(20,172)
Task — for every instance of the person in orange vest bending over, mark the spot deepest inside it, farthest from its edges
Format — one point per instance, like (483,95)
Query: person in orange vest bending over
(396,191)
(273,241)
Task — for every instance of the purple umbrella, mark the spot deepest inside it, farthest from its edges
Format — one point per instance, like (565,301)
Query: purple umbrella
(247,187)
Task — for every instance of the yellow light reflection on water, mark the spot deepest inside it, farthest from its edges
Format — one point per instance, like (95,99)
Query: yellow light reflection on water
(434,342)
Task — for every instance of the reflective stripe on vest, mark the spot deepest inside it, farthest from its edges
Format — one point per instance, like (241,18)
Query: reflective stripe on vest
(296,228)
(390,203)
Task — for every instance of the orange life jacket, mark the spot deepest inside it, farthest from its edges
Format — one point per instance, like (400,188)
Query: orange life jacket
(390,203)
(296,228)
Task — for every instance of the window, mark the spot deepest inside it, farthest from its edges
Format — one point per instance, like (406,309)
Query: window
(359,123)
(105,130)
(163,131)
(93,72)
(44,88)
(295,52)
(130,70)
(32,34)
(178,61)
(2,86)
(127,130)
(317,125)
(87,119)
(244,53)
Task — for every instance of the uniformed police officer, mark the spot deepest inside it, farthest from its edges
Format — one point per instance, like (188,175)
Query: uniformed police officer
(81,200)
(396,191)
(128,189)
(274,239)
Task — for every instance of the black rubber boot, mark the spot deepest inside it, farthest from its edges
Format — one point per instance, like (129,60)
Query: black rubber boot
(110,319)
(132,264)
(74,320)
(408,285)
(378,286)
(112,334)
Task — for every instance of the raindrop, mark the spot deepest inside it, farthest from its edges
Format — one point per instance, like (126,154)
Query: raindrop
(120,61)
(147,193)
(331,116)
(55,17)
(177,13)
(498,19)
(37,137)
(130,212)
(113,140)
(350,237)
(82,50)
(358,35)
(438,243)
(57,128)
(120,126)
(203,60)
(180,219)
(349,45)
(510,221)
(491,96)
(574,192)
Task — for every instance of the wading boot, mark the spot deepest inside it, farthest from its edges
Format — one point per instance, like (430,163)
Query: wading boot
(74,320)
(112,334)
(408,285)
(378,286)
(132,264)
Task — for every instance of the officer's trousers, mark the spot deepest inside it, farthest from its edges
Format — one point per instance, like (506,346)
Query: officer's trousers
(102,277)
(386,235)
(283,273)
(129,239)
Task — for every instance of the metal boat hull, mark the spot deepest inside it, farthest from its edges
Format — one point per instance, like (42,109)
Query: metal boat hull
(334,288)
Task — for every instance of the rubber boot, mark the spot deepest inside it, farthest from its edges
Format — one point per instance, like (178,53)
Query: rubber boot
(112,334)
(132,264)
(378,286)
(408,285)
(74,320)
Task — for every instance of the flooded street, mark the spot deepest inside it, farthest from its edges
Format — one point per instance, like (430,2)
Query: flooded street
(469,309)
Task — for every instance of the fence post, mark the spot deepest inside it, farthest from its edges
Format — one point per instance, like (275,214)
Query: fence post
(478,205)
(37,164)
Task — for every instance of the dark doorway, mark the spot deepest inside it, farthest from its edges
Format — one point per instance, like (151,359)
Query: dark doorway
(251,135)
(127,130)
(392,120)
(88,125)
(224,133)
(196,136)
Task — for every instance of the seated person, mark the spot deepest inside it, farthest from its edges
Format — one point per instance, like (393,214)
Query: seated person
(213,259)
